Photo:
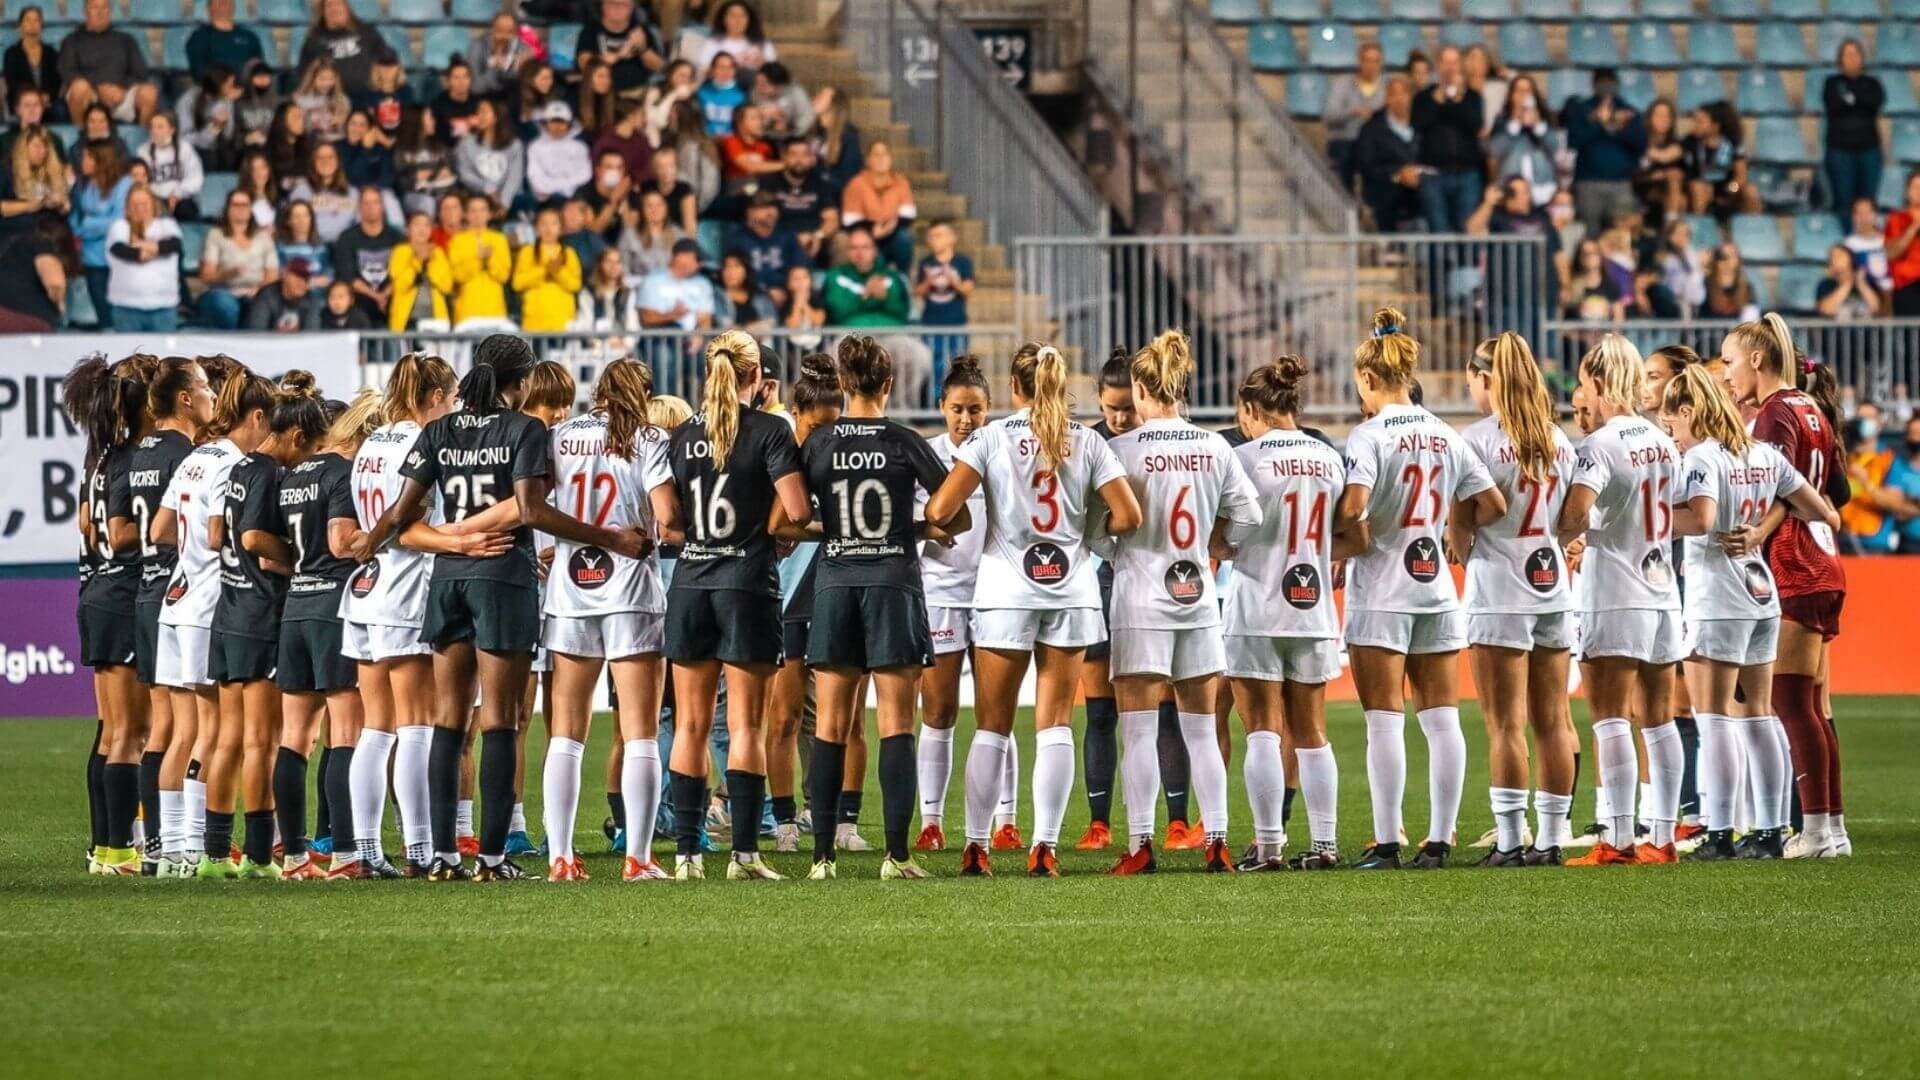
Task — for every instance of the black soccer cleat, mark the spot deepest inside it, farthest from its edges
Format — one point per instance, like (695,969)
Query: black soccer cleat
(504,870)
(1316,859)
(1379,857)
(1496,857)
(1254,864)
(380,867)
(1433,856)
(1536,856)
(1763,844)
(442,870)
(1717,847)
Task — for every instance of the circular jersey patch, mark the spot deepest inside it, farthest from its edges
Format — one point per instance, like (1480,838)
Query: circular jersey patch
(176,588)
(1186,582)
(1422,560)
(1655,569)
(1046,564)
(1542,570)
(1759,583)
(590,568)
(362,582)
(1301,586)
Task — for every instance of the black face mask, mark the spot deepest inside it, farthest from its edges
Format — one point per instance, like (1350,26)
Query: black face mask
(1913,447)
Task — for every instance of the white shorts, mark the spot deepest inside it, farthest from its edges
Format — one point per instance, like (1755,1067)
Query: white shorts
(952,629)
(373,642)
(1282,659)
(1736,641)
(1550,630)
(1176,655)
(1017,629)
(181,661)
(1643,634)
(614,636)
(1407,633)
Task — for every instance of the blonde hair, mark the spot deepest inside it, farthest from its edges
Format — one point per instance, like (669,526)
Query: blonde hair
(1769,338)
(1163,367)
(549,386)
(1615,366)
(413,381)
(49,178)
(1520,401)
(362,417)
(1389,354)
(732,359)
(1041,373)
(666,412)
(1714,414)
(624,394)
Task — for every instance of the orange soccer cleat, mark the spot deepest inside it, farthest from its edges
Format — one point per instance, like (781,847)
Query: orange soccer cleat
(1042,862)
(1219,859)
(1098,837)
(562,869)
(635,870)
(347,870)
(1604,854)
(1653,855)
(1184,837)
(302,868)
(1136,862)
(1007,838)
(932,838)
(469,847)
(1685,831)
(974,862)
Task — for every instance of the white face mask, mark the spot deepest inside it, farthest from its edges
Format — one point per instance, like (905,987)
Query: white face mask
(610,177)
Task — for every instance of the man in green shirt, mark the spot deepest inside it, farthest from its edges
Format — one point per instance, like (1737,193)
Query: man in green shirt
(864,291)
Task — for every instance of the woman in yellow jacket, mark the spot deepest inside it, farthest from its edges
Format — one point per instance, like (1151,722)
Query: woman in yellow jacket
(422,278)
(482,261)
(547,276)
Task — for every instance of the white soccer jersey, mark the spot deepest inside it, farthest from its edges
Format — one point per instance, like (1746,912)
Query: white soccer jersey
(1282,581)
(1415,468)
(1035,549)
(1184,477)
(1517,566)
(196,495)
(392,589)
(600,488)
(1718,585)
(947,574)
(1633,469)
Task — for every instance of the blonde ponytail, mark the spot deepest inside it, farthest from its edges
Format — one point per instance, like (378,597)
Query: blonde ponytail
(1771,342)
(1040,373)
(1163,367)
(1520,402)
(363,416)
(1615,366)
(1714,414)
(732,359)
(1389,353)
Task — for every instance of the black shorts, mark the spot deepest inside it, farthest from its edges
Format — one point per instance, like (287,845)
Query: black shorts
(146,640)
(868,628)
(1818,612)
(312,659)
(232,658)
(793,636)
(493,615)
(107,637)
(1098,651)
(733,626)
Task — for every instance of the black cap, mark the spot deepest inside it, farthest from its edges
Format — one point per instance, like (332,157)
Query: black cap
(686,247)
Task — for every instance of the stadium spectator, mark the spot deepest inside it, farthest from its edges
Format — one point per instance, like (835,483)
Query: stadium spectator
(1904,477)
(1682,270)
(1852,99)
(745,153)
(720,95)
(206,114)
(173,166)
(1386,155)
(39,265)
(1903,250)
(786,109)
(29,63)
(257,106)
(1717,163)
(738,35)
(1418,69)
(365,156)
(600,104)
(683,200)
(606,301)
(1483,77)
(577,231)
(323,98)
(29,112)
(807,204)
(255,177)
(537,86)
(100,63)
(680,84)
(339,312)
(97,123)
(767,248)
(100,200)
(482,263)
(288,146)
(489,160)
(289,305)
(619,37)
(942,282)
(558,163)
(36,183)
(1878,510)
(143,260)
(1869,246)
(882,199)
(363,254)
(497,56)
(422,279)
(837,145)
(1351,101)
(611,188)
(801,310)
(1590,294)
(866,293)
(454,106)
(676,296)
(449,217)
(1661,179)
(741,301)
(296,238)
(1607,137)
(1845,294)
(546,274)
(1729,290)
(385,99)
(239,260)
(627,137)
(422,167)
(1449,116)
(1525,145)
(325,187)
(648,235)
(220,41)
(698,155)
(341,38)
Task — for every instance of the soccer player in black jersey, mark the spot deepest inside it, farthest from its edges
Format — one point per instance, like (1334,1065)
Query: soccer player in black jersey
(1102,754)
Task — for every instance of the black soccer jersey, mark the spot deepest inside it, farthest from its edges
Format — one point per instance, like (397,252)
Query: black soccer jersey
(250,596)
(154,460)
(863,473)
(726,508)
(110,580)
(474,461)
(312,494)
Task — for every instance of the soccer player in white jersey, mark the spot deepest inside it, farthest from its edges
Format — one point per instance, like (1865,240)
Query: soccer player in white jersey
(1626,476)
(1732,605)
(1282,633)
(604,608)
(1406,470)
(1036,599)
(1519,606)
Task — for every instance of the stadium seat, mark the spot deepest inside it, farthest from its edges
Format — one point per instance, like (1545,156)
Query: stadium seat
(1695,87)
(54,35)
(1800,286)
(1270,47)
(1417,10)
(1762,288)
(214,191)
(1904,9)
(401,43)
(67,135)
(1487,10)
(1651,45)
(1778,139)
(1307,94)
(1856,10)
(1796,10)
(193,240)
(1828,36)
(1637,89)
(1744,10)
(562,40)
(1330,46)
(1679,10)
(1897,83)
(416,11)
(1813,234)
(1711,44)
(1893,190)
(1463,34)
(1231,11)
(1762,93)
(1706,230)
(367,10)
(1592,45)
(1550,10)
(1300,11)
(173,48)
(1397,40)
(133,135)
(1780,44)
(1352,11)
(1523,45)
(1606,9)
(1565,84)
(1758,238)
(483,11)
(1898,44)
(285,12)
(442,42)
(1905,144)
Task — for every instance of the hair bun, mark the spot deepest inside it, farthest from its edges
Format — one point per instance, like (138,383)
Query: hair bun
(1289,368)
(299,384)
(818,365)
(964,366)
(1388,320)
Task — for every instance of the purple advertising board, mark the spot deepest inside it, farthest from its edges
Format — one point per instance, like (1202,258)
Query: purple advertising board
(40,670)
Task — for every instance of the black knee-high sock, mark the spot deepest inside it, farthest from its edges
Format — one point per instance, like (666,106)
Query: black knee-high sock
(1575,789)
(322,806)
(784,809)
(150,795)
(339,764)
(746,796)
(1175,770)
(257,840)
(97,790)
(898,792)
(496,790)
(688,797)
(850,802)
(290,800)
(443,789)
(1689,774)
(823,793)
(122,784)
(1102,755)
(218,840)
(1286,806)
(617,807)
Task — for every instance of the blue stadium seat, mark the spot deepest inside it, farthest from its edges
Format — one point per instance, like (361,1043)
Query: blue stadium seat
(1780,44)
(1828,36)
(67,135)
(1356,10)
(1651,44)
(54,35)
(1743,10)
(1397,40)
(1856,10)
(1296,10)
(1800,285)
(173,48)
(214,191)
(1463,34)
(1637,89)
(1565,84)
(1899,87)
(401,43)
(1487,10)
(1758,238)
(1905,143)
(443,42)
(562,40)
(1711,44)
(296,40)
(417,11)
(1606,9)
(1893,190)
(1270,47)
(366,10)
(1307,94)
(1813,234)
(285,12)
(1591,45)
(134,135)
(1898,44)
(1550,10)
(1904,9)
(1777,139)
(1796,10)
(1706,230)
(1524,45)
(1417,10)
(270,43)
(193,240)
(1235,11)
(1330,46)
(483,11)
(1680,10)
(1762,92)
(1762,288)
(1695,87)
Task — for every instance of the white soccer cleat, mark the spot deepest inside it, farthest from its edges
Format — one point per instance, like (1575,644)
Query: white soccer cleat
(786,837)
(823,870)
(846,837)
(689,868)
(751,867)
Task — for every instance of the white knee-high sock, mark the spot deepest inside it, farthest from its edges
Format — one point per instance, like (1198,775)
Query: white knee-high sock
(367,780)
(173,822)
(1207,770)
(1006,810)
(1266,789)
(193,794)
(1320,786)
(640,788)
(1619,775)
(1779,730)
(1386,771)
(560,795)
(1140,773)
(1446,770)
(1719,769)
(986,770)
(1768,772)
(1509,816)
(1666,762)
(1052,782)
(1553,811)
(934,754)
(410,755)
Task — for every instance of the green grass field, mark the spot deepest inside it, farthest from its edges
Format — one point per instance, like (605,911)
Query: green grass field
(1751,969)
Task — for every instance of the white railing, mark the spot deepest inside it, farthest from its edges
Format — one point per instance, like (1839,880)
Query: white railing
(1872,357)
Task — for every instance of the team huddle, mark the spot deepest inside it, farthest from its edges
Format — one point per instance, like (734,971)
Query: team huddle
(408,572)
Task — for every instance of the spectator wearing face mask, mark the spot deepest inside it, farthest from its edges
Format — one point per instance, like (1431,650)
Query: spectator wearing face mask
(1874,516)
(1904,476)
